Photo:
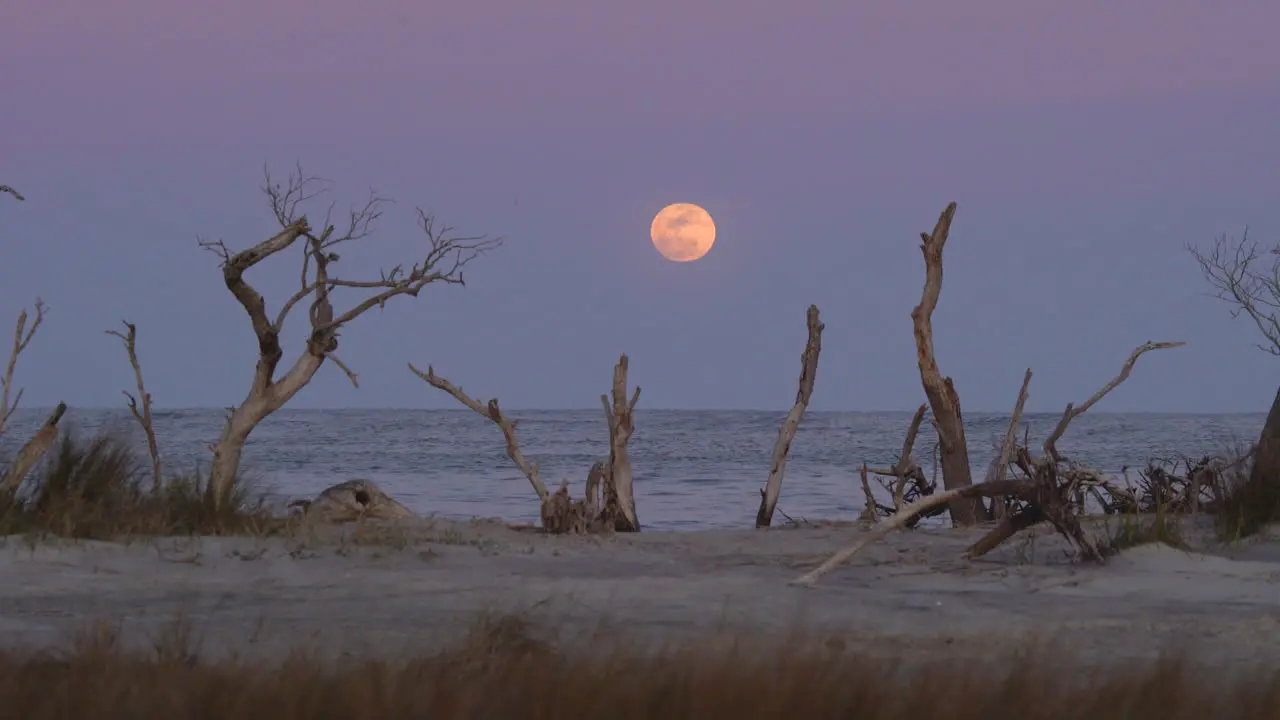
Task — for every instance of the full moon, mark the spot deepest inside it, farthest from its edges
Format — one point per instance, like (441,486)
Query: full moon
(683,232)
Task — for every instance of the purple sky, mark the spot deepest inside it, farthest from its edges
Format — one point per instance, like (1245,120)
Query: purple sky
(1087,143)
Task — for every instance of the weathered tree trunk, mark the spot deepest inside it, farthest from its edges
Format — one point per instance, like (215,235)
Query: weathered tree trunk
(619,495)
(943,398)
(1265,476)
(808,374)
(264,398)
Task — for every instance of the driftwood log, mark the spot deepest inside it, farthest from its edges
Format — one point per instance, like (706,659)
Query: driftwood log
(353,500)
(787,434)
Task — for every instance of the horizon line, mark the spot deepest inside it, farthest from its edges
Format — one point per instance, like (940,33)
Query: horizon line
(210,408)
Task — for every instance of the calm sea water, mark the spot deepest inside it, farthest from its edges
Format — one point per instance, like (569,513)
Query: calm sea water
(693,469)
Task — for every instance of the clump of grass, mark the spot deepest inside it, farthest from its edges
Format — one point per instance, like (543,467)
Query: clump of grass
(1135,529)
(100,488)
(99,678)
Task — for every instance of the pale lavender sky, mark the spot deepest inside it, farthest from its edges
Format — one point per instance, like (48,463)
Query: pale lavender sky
(1086,142)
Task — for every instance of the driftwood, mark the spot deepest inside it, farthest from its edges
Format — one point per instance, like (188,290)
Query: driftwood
(1051,488)
(558,512)
(787,434)
(907,482)
(31,453)
(143,415)
(1072,412)
(999,509)
(442,260)
(900,519)
(353,500)
(870,511)
(619,493)
(940,390)
(494,413)
(562,515)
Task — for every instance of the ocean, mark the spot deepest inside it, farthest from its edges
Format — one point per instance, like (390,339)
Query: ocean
(694,469)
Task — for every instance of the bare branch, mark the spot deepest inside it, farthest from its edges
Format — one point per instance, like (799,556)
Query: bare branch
(143,416)
(906,467)
(869,513)
(494,413)
(1233,269)
(285,200)
(1072,412)
(351,374)
(1011,435)
(444,261)
(21,339)
(16,195)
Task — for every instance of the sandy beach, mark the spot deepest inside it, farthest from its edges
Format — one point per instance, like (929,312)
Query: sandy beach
(422,584)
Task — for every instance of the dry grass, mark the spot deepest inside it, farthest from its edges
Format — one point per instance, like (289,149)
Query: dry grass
(100,488)
(1250,500)
(503,672)
(1138,529)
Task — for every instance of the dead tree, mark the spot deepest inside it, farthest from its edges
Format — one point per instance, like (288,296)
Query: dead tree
(442,261)
(619,494)
(143,415)
(808,374)
(940,390)
(1251,285)
(1045,492)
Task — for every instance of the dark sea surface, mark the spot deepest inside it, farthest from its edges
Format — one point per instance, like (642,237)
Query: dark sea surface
(693,469)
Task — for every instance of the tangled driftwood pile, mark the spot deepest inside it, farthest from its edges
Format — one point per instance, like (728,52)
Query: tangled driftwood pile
(1024,488)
